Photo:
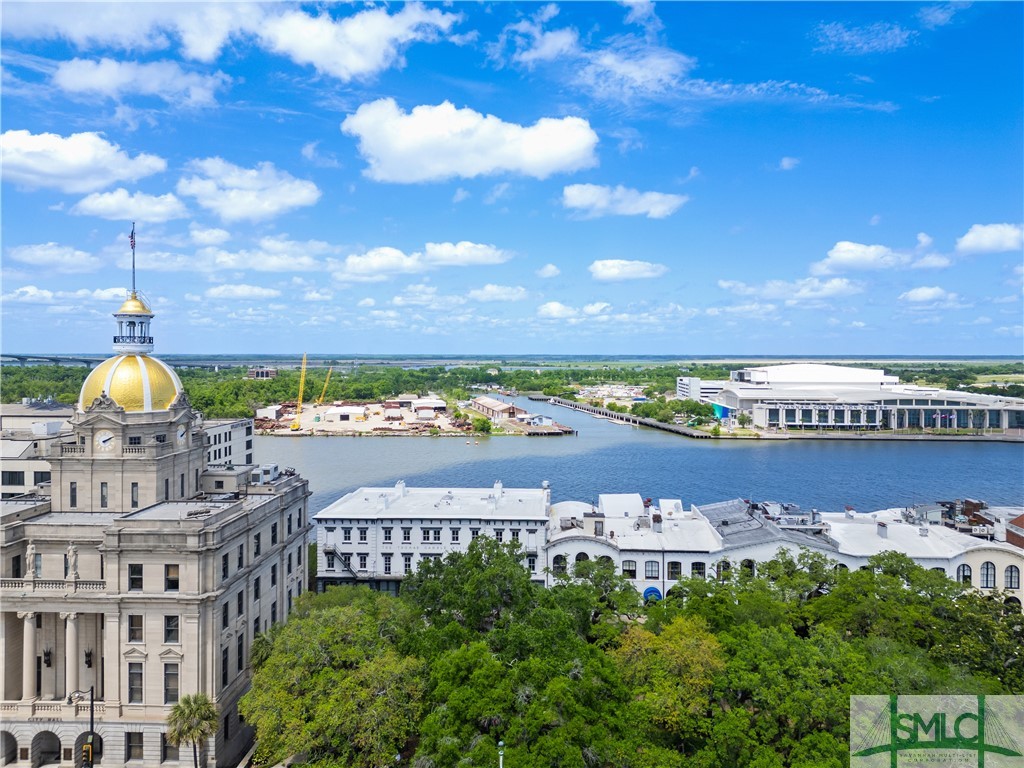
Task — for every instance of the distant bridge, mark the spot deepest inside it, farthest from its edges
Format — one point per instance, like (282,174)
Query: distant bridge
(7,358)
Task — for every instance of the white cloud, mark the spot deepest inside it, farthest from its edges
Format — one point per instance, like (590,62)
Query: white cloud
(555,310)
(935,16)
(460,195)
(875,220)
(991,238)
(594,201)
(212,236)
(623,269)
(788,163)
(241,291)
(927,294)
(357,46)
(253,194)
(492,292)
(275,254)
(121,205)
(874,38)
(311,152)
(846,256)
(314,294)
(932,261)
(29,294)
(367,302)
(549,270)
(431,143)
(597,308)
(497,192)
(630,68)
(81,162)
(164,79)
(1011,330)
(426,296)
(753,309)
(59,258)
(924,240)
(808,289)
(464,254)
(378,263)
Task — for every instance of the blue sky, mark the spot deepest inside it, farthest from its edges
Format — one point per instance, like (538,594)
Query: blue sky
(515,178)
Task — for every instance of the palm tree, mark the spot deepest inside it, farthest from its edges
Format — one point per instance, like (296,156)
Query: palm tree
(192,720)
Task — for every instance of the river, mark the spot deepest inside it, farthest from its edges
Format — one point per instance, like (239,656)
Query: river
(605,457)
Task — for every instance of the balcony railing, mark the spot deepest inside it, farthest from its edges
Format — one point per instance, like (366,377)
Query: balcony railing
(133,339)
(71,448)
(53,585)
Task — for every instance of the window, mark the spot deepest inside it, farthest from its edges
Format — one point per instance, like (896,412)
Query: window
(387,534)
(73,495)
(171,580)
(474,534)
(273,612)
(724,567)
(346,559)
(515,534)
(16,567)
(37,571)
(629,569)
(135,684)
(256,545)
(171,632)
(167,489)
(675,570)
(240,653)
(225,567)
(170,683)
(135,628)
(289,609)
(455,535)
(239,603)
(218,485)
(241,557)
(256,589)
(330,562)
(135,577)
(40,477)
(499,534)
(67,566)
(133,744)
(531,563)
(135,440)
(225,658)
(168,751)
(161,438)
(599,527)
(225,616)
(273,575)
(289,528)
(558,565)
(289,563)
(273,534)
(436,533)
(135,495)
(651,569)
(10,477)
(387,563)
(407,534)
(346,534)
(362,535)
(1011,577)
(963,574)
(698,570)
(988,575)
(362,562)
(298,555)
(407,563)
(256,626)
(181,486)
(426,534)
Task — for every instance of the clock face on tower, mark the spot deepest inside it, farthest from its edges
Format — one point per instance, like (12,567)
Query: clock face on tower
(104,440)
(182,432)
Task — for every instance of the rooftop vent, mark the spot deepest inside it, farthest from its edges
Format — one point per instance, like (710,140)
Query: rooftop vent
(922,531)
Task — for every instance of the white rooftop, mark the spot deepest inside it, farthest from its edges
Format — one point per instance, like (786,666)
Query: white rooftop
(814,373)
(399,501)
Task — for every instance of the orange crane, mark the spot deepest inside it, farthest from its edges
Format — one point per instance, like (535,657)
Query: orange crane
(323,394)
(302,385)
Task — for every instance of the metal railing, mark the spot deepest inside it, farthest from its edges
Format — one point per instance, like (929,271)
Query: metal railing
(133,339)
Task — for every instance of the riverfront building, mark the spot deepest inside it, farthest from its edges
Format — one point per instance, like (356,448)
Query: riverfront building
(139,571)
(834,397)
(376,536)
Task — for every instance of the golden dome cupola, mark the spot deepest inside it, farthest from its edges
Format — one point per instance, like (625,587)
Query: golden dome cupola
(133,331)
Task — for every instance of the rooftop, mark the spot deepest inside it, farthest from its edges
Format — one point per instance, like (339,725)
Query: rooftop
(497,503)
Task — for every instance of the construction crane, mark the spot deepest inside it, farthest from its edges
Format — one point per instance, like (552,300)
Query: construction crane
(302,385)
(323,393)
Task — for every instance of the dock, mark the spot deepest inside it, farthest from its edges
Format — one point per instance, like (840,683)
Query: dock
(628,418)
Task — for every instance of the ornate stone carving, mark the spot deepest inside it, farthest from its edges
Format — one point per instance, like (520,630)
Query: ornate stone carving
(104,403)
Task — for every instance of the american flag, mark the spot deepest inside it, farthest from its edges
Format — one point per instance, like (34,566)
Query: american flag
(131,238)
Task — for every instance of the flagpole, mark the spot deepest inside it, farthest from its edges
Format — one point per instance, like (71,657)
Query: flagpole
(131,239)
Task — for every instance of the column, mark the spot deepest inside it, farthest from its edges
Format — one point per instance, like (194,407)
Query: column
(28,656)
(70,652)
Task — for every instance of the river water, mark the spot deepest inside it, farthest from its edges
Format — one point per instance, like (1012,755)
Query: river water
(605,457)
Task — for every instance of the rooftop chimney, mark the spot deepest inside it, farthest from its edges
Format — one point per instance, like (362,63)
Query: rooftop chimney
(883,530)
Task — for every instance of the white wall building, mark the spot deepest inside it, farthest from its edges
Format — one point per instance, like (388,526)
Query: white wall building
(376,536)
(141,573)
(695,388)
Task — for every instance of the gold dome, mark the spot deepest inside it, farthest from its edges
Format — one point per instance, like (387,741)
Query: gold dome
(135,382)
(133,305)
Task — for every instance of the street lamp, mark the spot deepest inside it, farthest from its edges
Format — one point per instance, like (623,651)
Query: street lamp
(501,754)
(72,698)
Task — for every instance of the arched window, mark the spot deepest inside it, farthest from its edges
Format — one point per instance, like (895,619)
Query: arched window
(582,557)
(988,575)
(1013,602)
(604,559)
(1011,577)
(698,570)
(629,569)
(940,570)
(651,569)
(558,564)
(675,570)
(963,574)
(724,566)
(747,566)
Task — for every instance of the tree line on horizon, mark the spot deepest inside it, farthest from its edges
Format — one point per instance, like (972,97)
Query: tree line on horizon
(748,671)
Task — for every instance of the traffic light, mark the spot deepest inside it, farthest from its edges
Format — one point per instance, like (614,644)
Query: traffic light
(87,756)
